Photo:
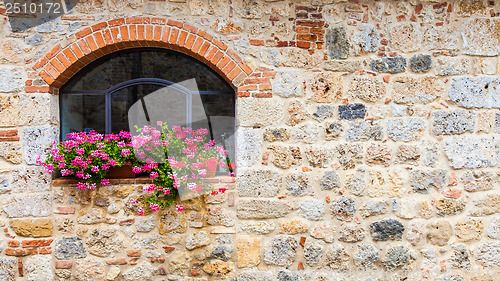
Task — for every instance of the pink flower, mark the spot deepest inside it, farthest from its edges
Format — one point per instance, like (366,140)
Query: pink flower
(166,191)
(61,165)
(125,152)
(179,208)
(222,189)
(91,185)
(202,172)
(112,162)
(136,170)
(48,168)
(154,207)
(104,181)
(153,175)
(132,201)
(149,188)
(176,128)
(232,174)
(79,174)
(94,169)
(66,172)
(80,185)
(80,151)
(120,144)
(191,186)
(140,211)
(158,123)
(39,160)
(211,142)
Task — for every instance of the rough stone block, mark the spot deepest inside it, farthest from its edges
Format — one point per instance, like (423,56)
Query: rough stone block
(41,227)
(288,83)
(366,88)
(482,92)
(384,230)
(69,248)
(363,131)
(30,179)
(261,208)
(405,129)
(312,209)
(259,112)
(343,208)
(422,181)
(411,90)
(272,135)
(248,252)
(337,42)
(452,66)
(343,65)
(298,184)
(39,267)
(420,63)
(481,36)
(37,141)
(366,39)
(472,152)
(352,111)
(453,122)
(248,146)
(11,79)
(281,251)
(36,205)
(441,38)
(326,87)
(406,37)
(439,232)
(258,183)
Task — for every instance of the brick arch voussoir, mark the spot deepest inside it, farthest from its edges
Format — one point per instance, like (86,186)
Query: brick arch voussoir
(93,42)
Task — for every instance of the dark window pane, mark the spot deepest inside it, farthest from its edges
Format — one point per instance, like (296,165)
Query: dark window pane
(82,113)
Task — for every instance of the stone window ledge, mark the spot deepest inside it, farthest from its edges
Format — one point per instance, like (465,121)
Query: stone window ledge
(141,180)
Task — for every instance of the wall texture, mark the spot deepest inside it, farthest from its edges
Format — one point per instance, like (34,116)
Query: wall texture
(368,144)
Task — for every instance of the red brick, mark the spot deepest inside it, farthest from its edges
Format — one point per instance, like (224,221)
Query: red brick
(257,42)
(17,252)
(211,52)
(40,63)
(99,26)
(175,23)
(38,89)
(51,70)
(168,249)
(257,81)
(197,45)
(235,72)
(20,268)
(306,37)
(37,243)
(228,68)
(127,222)
(141,32)
(223,62)
(134,20)
(134,253)
(157,33)
(84,32)
(219,44)
(265,87)
(190,41)
(303,44)
(190,28)
(182,38)
(245,67)
(216,58)
(262,95)
(64,264)
(116,22)
(117,262)
(233,55)
(13,243)
(204,48)
(65,210)
(310,23)
(205,35)
(53,52)
(45,250)
(149,32)
(243,94)
(174,32)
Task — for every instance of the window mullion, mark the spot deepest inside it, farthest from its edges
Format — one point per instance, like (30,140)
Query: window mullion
(108,113)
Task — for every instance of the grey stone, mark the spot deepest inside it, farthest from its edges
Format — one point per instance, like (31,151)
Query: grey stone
(480,37)
(261,208)
(330,180)
(343,65)
(493,231)
(430,155)
(143,272)
(336,257)
(333,130)
(103,242)
(69,248)
(397,257)
(272,135)
(366,39)
(197,240)
(281,251)
(313,252)
(477,181)
(323,111)
(452,66)
(39,267)
(374,208)
(11,79)
(258,183)
(363,131)
(298,184)
(349,155)
(343,208)
(422,181)
(145,224)
(222,252)
(461,257)
(405,129)
(390,64)
(453,122)
(366,256)
(352,111)
(337,42)
(472,152)
(255,275)
(312,209)
(257,112)
(389,229)
(37,205)
(8,268)
(4,185)
(288,83)
(480,92)
(30,179)
(35,40)
(37,141)
(488,254)
(49,25)
(288,275)
(248,147)
(420,63)
(398,110)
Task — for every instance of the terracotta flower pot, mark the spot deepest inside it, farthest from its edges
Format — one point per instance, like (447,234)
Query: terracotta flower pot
(211,173)
(125,171)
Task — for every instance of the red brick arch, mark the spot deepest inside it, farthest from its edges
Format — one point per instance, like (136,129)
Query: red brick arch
(93,42)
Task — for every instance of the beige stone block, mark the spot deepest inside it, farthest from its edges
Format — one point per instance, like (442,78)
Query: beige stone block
(248,252)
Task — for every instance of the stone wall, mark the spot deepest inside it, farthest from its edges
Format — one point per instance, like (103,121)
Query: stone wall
(368,144)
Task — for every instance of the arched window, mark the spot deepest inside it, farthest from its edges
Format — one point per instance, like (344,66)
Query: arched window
(100,95)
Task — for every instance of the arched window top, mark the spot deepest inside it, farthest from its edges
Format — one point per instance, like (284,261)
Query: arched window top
(126,65)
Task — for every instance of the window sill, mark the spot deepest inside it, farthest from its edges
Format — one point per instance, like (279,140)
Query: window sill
(141,180)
